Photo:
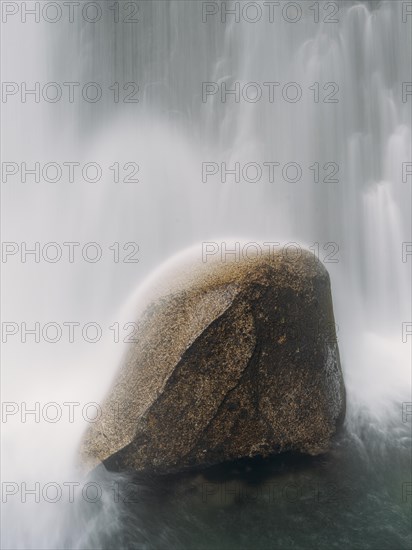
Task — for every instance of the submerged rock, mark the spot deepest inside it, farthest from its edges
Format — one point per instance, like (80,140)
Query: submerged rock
(234,359)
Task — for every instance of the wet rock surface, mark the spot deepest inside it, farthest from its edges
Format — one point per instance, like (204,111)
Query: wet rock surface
(233,360)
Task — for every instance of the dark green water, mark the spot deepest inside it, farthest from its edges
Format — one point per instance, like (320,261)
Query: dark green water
(358,496)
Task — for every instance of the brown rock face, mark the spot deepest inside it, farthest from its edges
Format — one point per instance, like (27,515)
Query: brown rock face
(234,359)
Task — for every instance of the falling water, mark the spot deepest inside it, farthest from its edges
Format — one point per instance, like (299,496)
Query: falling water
(352,114)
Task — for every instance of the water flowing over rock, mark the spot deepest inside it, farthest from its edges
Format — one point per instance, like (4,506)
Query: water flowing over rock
(234,359)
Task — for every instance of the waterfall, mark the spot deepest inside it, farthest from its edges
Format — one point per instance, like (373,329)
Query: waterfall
(330,137)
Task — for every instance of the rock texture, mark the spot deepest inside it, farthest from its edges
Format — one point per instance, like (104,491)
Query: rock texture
(233,359)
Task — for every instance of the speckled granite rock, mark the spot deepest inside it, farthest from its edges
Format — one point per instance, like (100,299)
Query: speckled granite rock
(234,360)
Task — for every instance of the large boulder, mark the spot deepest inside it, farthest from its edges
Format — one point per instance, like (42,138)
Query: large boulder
(234,359)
